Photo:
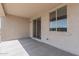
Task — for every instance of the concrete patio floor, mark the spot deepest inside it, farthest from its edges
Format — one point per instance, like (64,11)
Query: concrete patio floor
(12,48)
(35,48)
(29,47)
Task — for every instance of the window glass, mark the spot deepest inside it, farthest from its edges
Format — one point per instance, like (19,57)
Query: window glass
(53,23)
(62,19)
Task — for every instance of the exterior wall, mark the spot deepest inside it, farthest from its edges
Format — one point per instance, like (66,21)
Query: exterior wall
(1,11)
(2,15)
(68,41)
(14,28)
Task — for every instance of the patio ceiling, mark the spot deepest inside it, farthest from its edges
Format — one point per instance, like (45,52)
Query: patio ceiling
(27,10)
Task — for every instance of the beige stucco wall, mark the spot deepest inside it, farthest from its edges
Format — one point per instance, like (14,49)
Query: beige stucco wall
(68,41)
(2,15)
(1,11)
(14,27)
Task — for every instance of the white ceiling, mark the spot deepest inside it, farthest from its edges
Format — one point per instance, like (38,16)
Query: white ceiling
(27,9)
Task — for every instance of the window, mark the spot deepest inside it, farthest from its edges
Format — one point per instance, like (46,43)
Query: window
(53,21)
(58,20)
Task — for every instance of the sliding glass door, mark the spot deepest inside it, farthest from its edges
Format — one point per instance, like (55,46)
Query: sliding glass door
(37,28)
(34,28)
